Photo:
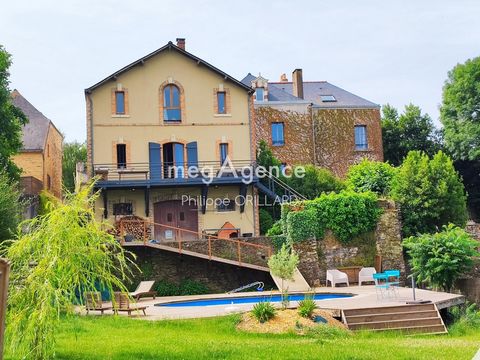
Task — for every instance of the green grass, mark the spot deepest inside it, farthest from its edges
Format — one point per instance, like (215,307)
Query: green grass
(109,337)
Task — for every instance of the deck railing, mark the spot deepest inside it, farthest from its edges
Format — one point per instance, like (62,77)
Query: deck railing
(168,171)
(188,240)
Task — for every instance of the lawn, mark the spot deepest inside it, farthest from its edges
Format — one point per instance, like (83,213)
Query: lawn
(109,337)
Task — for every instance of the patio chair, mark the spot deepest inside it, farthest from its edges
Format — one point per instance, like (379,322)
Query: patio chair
(382,286)
(144,289)
(122,303)
(337,277)
(93,302)
(366,275)
(395,274)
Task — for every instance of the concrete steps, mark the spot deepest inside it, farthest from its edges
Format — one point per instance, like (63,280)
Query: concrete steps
(421,318)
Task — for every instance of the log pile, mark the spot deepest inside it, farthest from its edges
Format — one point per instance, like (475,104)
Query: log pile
(133,228)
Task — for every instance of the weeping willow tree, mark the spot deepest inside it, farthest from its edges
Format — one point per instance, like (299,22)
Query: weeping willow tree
(55,258)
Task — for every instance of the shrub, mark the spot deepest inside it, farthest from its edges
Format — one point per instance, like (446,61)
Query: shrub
(303,225)
(315,182)
(266,221)
(10,207)
(192,287)
(306,307)
(466,317)
(263,311)
(439,259)
(430,192)
(185,287)
(347,214)
(370,176)
(275,229)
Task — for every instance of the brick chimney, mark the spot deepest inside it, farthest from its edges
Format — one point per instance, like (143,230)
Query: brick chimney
(181,43)
(297,79)
(283,78)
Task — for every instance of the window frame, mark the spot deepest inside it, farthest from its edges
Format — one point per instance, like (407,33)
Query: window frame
(364,145)
(121,164)
(278,143)
(170,102)
(256,94)
(223,145)
(221,207)
(118,92)
(224,93)
(128,206)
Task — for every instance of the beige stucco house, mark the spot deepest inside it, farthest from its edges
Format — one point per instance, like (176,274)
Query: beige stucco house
(158,131)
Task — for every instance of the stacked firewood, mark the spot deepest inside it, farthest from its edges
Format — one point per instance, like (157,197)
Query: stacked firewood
(133,228)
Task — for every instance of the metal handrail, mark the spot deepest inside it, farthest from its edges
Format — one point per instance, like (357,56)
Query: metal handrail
(285,185)
(239,243)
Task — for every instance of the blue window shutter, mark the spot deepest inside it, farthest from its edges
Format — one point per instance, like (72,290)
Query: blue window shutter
(155,159)
(192,154)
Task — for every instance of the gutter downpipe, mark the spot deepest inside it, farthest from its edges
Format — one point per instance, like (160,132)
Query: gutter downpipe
(313,136)
(90,119)
(252,156)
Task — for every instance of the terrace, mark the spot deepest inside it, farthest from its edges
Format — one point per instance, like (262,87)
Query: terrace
(146,174)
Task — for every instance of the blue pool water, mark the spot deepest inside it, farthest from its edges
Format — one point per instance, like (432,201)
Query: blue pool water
(251,300)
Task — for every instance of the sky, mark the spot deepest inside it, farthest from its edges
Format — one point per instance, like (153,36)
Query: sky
(395,51)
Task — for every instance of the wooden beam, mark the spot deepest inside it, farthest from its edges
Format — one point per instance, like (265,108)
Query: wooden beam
(243,196)
(105,203)
(147,201)
(204,198)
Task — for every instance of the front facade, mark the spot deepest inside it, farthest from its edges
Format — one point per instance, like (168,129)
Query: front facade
(158,132)
(41,155)
(315,122)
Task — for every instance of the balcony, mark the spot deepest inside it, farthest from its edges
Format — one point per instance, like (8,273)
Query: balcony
(169,174)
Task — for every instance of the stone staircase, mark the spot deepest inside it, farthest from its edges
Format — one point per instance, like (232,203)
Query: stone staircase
(415,318)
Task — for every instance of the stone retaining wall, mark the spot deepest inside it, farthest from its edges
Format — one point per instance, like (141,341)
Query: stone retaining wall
(173,267)
(318,255)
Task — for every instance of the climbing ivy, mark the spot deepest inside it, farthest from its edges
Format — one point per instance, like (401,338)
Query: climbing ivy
(347,214)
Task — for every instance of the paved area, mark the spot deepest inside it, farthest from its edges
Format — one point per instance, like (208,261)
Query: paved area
(365,296)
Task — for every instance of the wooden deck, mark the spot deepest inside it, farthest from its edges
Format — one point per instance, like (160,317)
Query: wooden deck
(365,297)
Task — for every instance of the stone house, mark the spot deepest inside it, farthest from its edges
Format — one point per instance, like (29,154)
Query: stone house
(41,155)
(151,123)
(315,122)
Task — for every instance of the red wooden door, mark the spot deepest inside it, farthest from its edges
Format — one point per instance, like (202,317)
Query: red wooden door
(174,214)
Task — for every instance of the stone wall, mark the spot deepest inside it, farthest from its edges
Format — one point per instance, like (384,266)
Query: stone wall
(318,255)
(335,139)
(174,268)
(324,137)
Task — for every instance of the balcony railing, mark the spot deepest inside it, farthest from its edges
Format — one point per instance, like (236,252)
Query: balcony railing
(170,171)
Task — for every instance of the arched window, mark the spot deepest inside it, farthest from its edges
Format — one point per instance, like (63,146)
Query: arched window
(171,104)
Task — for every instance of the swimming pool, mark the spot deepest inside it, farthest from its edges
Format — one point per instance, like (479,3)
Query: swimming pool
(250,300)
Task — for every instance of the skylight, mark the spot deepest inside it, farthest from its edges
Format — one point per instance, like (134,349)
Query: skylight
(328,98)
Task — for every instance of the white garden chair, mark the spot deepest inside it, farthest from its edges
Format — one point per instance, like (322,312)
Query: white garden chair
(337,277)
(366,275)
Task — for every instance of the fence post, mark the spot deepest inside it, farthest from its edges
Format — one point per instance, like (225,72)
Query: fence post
(209,247)
(239,253)
(4,273)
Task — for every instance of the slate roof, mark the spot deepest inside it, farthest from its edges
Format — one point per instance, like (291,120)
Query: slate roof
(169,46)
(35,132)
(312,91)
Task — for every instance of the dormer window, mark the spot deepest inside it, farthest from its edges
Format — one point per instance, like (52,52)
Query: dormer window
(260,84)
(171,104)
(259,93)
